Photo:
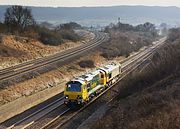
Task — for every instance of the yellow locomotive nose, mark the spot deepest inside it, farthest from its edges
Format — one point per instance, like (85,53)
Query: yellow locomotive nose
(73,92)
(74,95)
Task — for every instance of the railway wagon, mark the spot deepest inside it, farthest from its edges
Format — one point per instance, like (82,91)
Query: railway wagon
(83,88)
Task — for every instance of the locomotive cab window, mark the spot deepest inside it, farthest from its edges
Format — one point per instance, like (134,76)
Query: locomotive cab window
(73,86)
(102,76)
(110,75)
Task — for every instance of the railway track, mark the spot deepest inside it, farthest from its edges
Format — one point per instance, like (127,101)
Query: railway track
(18,66)
(27,67)
(27,121)
(65,115)
(126,67)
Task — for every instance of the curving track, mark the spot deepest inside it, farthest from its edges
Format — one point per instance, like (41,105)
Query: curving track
(27,67)
(127,67)
(55,114)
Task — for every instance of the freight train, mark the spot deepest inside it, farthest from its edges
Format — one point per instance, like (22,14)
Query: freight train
(82,89)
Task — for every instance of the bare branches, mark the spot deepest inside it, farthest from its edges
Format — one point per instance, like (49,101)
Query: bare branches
(18,18)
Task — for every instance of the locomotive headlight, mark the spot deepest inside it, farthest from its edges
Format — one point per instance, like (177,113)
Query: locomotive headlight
(66,97)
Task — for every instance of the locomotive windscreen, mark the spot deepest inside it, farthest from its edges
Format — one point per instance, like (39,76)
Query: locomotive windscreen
(73,86)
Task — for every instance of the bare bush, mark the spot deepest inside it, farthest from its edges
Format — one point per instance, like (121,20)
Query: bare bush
(3,28)
(67,32)
(126,38)
(49,37)
(86,64)
(124,43)
(0,38)
(69,35)
(174,34)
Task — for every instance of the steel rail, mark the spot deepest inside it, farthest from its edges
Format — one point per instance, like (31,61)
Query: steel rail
(5,70)
(138,61)
(36,113)
(140,57)
(49,105)
(19,71)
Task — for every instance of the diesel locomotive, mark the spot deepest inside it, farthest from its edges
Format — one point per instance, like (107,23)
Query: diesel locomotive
(82,89)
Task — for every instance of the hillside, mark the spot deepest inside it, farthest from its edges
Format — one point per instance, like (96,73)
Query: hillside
(15,50)
(155,107)
(120,45)
(104,15)
(150,98)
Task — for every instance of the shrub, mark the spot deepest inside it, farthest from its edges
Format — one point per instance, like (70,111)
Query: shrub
(174,34)
(125,38)
(86,64)
(3,28)
(122,44)
(0,38)
(49,37)
(69,35)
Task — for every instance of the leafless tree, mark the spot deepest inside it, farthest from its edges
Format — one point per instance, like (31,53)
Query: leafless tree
(18,18)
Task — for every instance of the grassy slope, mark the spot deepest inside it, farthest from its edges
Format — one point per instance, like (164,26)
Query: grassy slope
(14,49)
(156,107)
(150,99)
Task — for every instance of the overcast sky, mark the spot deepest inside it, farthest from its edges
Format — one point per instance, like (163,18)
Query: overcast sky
(79,3)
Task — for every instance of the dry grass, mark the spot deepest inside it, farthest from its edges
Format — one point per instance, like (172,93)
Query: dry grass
(156,107)
(150,99)
(48,80)
(51,78)
(16,50)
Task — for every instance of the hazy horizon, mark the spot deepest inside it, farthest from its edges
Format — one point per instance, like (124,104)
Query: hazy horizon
(105,15)
(91,3)
(86,6)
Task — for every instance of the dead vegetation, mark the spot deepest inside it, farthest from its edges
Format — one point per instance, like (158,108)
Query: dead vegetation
(15,49)
(86,64)
(52,79)
(156,107)
(22,39)
(31,47)
(151,98)
(125,39)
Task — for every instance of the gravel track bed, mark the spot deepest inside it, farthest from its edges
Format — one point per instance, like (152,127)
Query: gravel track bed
(44,120)
(18,117)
